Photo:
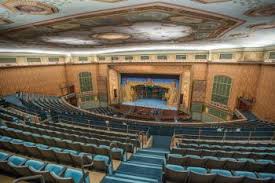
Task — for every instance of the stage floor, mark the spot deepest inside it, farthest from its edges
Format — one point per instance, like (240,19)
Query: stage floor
(151,103)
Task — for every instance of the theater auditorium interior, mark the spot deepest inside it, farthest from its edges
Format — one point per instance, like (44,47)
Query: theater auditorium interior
(137,91)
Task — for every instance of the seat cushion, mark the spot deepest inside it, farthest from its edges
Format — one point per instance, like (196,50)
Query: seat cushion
(76,175)
(175,155)
(56,149)
(176,168)
(101,158)
(29,144)
(266,175)
(17,141)
(37,165)
(5,139)
(56,169)
(16,160)
(264,161)
(42,146)
(104,146)
(3,156)
(221,172)
(245,174)
(116,149)
(197,170)
(71,151)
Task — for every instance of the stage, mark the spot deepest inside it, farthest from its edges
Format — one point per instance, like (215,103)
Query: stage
(151,103)
(150,113)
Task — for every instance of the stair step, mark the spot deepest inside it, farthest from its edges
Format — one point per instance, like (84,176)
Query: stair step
(144,163)
(152,160)
(135,177)
(139,165)
(153,152)
(113,179)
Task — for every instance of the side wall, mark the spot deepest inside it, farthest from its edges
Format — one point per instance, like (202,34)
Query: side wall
(35,79)
(248,80)
(265,98)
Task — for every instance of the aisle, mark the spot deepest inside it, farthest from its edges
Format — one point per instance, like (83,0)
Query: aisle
(145,166)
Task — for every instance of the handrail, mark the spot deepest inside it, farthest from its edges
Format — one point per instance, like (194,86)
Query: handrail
(96,127)
(226,137)
(154,123)
(28,178)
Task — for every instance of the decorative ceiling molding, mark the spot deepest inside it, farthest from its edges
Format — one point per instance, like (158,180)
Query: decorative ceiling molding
(110,1)
(30,7)
(111,36)
(262,26)
(261,11)
(4,21)
(211,1)
(146,23)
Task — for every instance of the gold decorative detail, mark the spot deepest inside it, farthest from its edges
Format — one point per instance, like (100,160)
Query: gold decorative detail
(111,36)
(211,1)
(30,7)
(129,94)
(4,21)
(239,35)
(262,26)
(185,19)
(261,11)
(109,1)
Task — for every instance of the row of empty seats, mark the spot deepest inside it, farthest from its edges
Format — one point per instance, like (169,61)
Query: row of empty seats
(19,166)
(228,147)
(223,154)
(56,154)
(212,162)
(228,143)
(181,174)
(133,139)
(58,139)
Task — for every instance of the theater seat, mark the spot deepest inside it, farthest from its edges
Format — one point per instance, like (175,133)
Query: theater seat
(117,153)
(72,176)
(175,173)
(198,174)
(176,159)
(48,172)
(3,156)
(25,170)
(78,175)
(101,162)
(13,162)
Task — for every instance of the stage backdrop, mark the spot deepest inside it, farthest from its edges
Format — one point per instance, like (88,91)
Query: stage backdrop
(140,87)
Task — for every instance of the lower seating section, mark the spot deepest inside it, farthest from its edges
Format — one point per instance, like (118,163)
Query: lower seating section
(224,154)
(176,173)
(212,162)
(26,145)
(19,166)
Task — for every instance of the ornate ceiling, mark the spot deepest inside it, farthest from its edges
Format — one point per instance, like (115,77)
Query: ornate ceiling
(126,25)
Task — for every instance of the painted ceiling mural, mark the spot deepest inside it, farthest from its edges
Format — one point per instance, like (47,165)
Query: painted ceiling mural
(91,24)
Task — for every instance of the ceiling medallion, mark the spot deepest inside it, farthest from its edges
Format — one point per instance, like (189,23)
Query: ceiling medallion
(239,35)
(211,1)
(109,1)
(111,36)
(262,26)
(4,21)
(30,7)
(261,11)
